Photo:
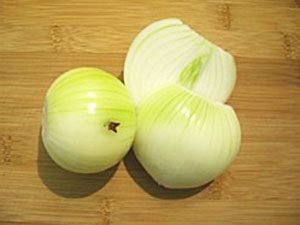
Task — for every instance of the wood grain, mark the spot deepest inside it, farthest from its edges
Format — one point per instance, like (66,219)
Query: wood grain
(41,39)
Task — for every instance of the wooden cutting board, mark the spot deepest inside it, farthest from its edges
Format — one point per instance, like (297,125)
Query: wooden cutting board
(41,39)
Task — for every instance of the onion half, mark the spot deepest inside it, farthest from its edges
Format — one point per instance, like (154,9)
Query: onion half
(170,52)
(183,140)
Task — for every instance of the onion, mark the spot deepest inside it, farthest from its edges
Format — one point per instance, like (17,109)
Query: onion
(186,136)
(89,120)
(183,140)
(170,52)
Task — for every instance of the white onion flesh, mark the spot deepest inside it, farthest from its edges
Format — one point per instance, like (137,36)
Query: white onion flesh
(183,140)
(89,120)
(163,50)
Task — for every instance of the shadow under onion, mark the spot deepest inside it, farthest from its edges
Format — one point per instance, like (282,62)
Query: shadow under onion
(145,181)
(68,184)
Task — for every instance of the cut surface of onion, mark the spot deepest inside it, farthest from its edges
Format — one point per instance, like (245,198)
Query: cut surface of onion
(89,120)
(184,140)
(170,52)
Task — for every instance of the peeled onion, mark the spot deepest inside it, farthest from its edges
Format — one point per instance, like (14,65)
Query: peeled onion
(170,52)
(89,120)
(186,136)
(183,140)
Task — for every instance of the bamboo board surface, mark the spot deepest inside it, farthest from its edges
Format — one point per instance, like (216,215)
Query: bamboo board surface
(41,39)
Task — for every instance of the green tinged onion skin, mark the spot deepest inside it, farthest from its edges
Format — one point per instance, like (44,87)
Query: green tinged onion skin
(184,140)
(89,120)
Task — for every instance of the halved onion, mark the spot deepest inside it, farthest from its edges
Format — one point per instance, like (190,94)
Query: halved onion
(179,81)
(184,140)
(89,120)
(170,52)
